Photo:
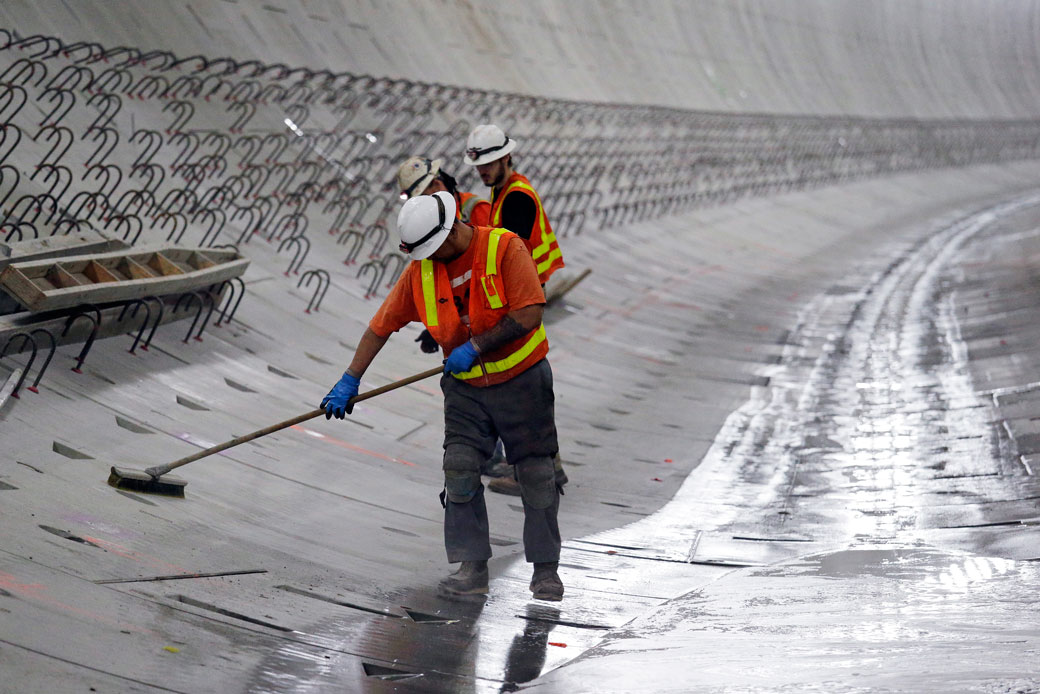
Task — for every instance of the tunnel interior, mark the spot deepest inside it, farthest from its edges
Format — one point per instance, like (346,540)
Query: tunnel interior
(792,347)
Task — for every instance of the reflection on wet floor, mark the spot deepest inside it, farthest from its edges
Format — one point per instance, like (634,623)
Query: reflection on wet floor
(895,619)
(835,538)
(871,440)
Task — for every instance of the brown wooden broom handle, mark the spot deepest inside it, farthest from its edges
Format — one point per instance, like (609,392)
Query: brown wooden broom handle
(160,470)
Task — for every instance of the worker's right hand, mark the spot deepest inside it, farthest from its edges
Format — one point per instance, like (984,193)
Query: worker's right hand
(426,342)
(337,403)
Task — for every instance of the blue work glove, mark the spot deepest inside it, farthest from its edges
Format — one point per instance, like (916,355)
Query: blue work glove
(337,402)
(461,358)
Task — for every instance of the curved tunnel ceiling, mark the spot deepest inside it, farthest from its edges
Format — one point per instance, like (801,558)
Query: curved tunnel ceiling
(886,59)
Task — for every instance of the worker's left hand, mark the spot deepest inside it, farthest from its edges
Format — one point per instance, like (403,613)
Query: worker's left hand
(338,402)
(461,358)
(427,343)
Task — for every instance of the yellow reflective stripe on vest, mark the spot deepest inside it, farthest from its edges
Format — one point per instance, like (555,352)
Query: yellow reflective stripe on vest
(494,367)
(467,207)
(494,300)
(544,265)
(492,256)
(548,238)
(429,292)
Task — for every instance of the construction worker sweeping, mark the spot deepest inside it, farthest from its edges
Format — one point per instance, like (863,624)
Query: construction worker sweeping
(477,291)
(514,206)
(423,176)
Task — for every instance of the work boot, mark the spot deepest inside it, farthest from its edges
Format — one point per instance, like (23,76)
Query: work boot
(496,465)
(499,469)
(546,583)
(509,485)
(505,485)
(471,578)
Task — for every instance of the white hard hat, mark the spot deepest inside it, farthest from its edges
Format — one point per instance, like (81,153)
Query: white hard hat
(415,174)
(424,222)
(486,144)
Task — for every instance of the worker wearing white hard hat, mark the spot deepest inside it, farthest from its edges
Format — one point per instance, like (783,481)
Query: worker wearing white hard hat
(487,143)
(514,203)
(517,207)
(424,176)
(477,291)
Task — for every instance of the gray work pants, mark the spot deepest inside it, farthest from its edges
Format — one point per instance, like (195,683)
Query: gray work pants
(521,412)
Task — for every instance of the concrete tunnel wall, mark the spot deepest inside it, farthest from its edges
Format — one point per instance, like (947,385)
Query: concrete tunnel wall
(891,58)
(678,322)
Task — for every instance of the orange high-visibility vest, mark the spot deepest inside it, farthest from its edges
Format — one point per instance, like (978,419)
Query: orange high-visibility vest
(488,304)
(548,257)
(474,210)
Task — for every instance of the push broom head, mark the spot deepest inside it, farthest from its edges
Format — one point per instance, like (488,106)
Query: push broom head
(139,481)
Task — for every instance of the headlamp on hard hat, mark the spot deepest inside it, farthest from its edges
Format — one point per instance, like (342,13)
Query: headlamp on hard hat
(474,152)
(487,143)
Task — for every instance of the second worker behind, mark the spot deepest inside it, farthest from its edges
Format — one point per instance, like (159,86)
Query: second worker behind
(425,176)
(516,206)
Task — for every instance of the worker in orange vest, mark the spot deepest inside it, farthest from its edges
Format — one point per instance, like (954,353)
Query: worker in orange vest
(514,206)
(423,176)
(477,291)
(514,203)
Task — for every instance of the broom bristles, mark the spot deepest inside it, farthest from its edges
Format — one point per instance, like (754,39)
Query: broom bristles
(136,481)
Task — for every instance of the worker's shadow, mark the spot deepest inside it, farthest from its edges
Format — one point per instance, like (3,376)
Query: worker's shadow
(527,652)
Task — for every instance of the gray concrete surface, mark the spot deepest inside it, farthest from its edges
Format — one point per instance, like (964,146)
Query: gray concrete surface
(798,426)
(886,58)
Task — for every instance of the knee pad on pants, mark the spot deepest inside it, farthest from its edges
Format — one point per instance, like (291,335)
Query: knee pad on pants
(461,473)
(537,482)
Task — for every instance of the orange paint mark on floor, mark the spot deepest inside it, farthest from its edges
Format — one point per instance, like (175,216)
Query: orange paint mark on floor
(128,553)
(349,446)
(37,592)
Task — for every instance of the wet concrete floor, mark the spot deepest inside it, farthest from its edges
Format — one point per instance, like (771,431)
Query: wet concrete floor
(864,522)
(861,513)
(903,490)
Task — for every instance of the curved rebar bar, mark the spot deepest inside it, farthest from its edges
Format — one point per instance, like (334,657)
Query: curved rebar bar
(158,320)
(400,263)
(186,298)
(216,218)
(202,296)
(377,276)
(95,323)
(227,313)
(136,303)
(34,388)
(359,240)
(27,339)
(324,280)
(4,129)
(10,98)
(303,247)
